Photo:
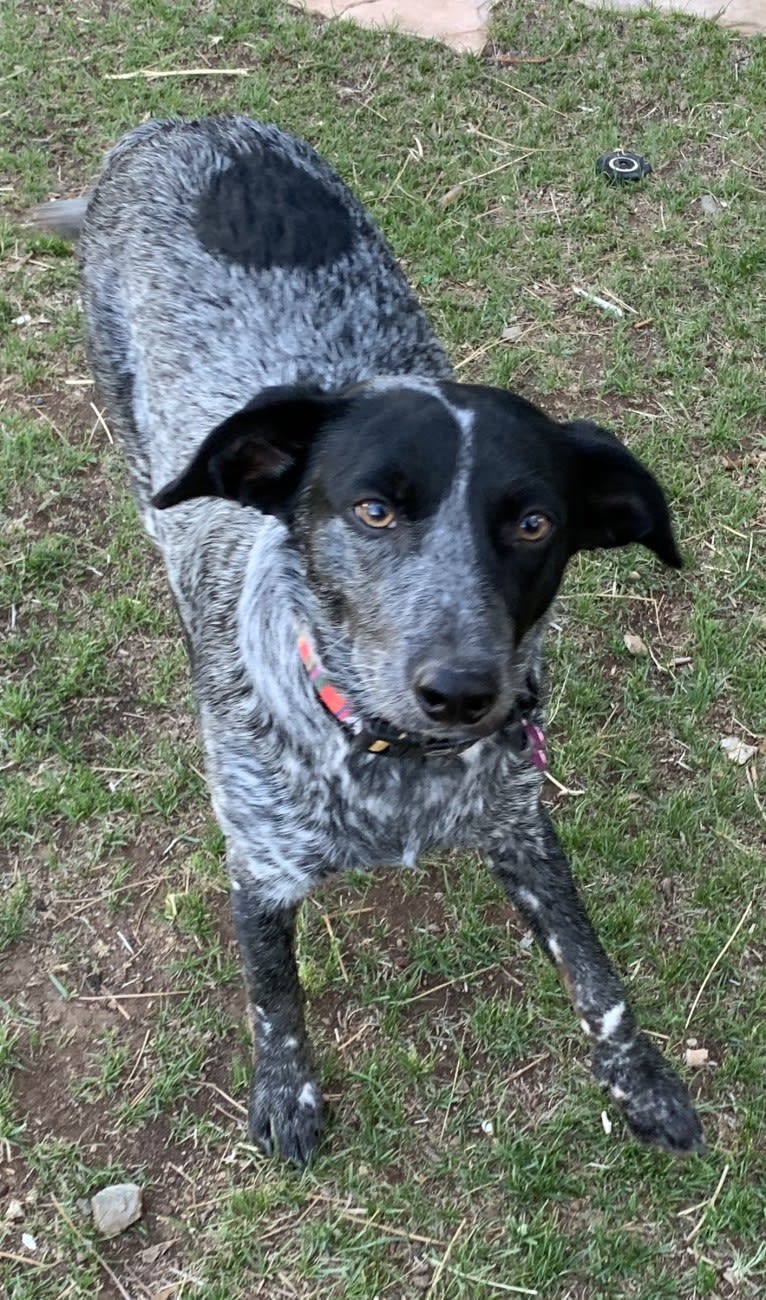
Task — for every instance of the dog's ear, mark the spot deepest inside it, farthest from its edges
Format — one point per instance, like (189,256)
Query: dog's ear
(615,499)
(258,455)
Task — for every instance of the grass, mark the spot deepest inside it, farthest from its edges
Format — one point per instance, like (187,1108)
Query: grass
(466,1156)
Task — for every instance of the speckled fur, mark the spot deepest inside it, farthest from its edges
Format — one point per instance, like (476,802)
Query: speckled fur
(179,338)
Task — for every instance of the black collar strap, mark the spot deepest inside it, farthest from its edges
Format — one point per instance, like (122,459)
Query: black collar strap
(379,737)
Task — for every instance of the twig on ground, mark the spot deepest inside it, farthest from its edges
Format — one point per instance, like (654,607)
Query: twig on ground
(156,74)
(205,1083)
(597,301)
(510,60)
(24,1259)
(471,975)
(139,1058)
(361,1216)
(508,85)
(494,1286)
(121,997)
(524,1069)
(487,347)
(563,789)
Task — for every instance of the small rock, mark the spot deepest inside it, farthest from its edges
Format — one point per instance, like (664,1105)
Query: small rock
(634,645)
(710,205)
(115,1208)
(512,333)
(15,1211)
(28,1240)
(738,750)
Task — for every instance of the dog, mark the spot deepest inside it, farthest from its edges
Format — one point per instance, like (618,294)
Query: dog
(363,553)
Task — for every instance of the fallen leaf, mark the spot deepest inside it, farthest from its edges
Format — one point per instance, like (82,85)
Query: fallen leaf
(738,750)
(151,1254)
(696,1057)
(634,645)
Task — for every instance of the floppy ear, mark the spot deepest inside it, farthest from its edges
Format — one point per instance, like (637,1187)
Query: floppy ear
(616,500)
(257,456)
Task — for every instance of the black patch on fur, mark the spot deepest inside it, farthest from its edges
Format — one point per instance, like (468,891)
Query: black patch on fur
(399,446)
(265,211)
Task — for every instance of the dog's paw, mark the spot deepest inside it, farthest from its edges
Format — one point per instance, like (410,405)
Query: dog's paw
(286,1112)
(652,1097)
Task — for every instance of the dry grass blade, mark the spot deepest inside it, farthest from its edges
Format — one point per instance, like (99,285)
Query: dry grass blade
(718,959)
(708,1206)
(23,1259)
(435,1280)
(92,1249)
(493,1286)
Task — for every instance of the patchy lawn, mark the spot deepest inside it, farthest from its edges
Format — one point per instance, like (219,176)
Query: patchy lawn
(466,1155)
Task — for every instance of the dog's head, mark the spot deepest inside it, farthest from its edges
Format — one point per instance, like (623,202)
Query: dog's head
(436,520)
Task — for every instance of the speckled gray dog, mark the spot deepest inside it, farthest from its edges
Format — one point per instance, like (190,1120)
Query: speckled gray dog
(365,634)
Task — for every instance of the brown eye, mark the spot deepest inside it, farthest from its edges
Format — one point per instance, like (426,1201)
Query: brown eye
(533,528)
(375,514)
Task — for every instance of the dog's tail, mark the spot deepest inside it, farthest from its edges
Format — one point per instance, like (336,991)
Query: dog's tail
(62,217)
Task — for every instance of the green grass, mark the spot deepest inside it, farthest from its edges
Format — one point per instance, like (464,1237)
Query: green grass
(466,1154)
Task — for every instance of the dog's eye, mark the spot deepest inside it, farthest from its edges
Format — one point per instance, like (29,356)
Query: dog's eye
(533,527)
(375,514)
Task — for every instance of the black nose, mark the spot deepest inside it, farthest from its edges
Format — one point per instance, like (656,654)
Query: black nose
(455,695)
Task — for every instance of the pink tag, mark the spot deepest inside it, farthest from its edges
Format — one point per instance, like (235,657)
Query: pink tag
(536,742)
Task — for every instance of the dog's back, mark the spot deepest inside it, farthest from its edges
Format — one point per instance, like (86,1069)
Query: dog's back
(222,256)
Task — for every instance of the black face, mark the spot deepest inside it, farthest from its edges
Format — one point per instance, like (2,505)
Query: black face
(436,520)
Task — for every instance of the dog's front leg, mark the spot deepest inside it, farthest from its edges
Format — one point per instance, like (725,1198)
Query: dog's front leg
(285,1111)
(535,873)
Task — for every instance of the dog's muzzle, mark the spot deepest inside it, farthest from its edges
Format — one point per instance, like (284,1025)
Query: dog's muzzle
(377,736)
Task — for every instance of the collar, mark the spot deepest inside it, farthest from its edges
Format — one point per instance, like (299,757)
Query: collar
(378,737)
